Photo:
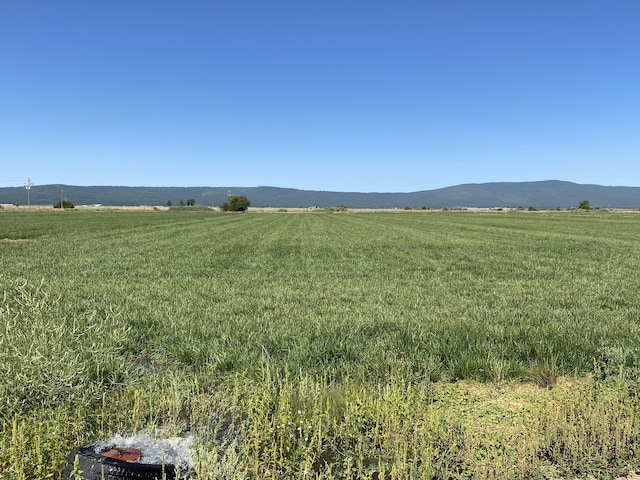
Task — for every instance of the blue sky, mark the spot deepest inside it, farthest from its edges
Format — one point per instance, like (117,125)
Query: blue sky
(334,95)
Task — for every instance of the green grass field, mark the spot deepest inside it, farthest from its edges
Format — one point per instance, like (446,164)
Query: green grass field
(325,345)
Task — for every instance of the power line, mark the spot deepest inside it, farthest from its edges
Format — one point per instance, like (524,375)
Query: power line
(28,187)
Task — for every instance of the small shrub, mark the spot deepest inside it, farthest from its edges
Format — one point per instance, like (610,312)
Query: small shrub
(65,204)
(337,208)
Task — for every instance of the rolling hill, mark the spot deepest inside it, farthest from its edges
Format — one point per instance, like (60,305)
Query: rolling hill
(539,194)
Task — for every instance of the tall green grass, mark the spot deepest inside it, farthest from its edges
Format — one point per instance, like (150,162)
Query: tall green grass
(325,342)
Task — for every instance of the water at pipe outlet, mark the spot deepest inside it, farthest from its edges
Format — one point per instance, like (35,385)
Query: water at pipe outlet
(174,450)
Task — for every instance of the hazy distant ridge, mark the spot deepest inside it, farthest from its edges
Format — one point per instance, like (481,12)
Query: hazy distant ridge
(541,194)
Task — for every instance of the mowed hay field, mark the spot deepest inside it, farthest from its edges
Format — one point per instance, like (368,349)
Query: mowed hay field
(325,345)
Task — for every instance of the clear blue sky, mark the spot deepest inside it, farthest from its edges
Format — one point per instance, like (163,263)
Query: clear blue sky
(342,95)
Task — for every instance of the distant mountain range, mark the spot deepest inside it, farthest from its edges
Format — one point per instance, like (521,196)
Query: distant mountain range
(541,194)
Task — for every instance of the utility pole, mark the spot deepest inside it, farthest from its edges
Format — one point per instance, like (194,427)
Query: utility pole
(61,200)
(28,187)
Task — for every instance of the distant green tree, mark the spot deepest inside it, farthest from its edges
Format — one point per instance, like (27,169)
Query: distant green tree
(169,203)
(337,208)
(235,203)
(65,204)
(407,207)
(584,205)
(191,202)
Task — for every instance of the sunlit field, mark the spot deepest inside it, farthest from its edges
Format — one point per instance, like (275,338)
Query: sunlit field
(419,344)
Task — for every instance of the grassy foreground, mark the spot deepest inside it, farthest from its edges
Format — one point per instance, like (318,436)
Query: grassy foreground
(318,345)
